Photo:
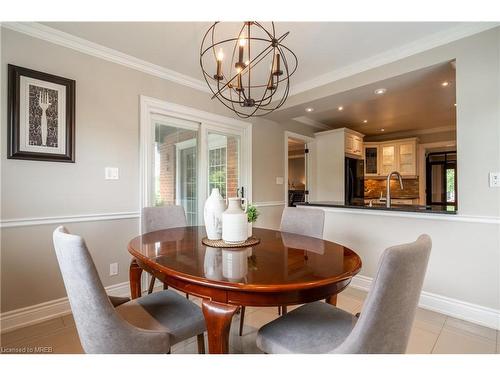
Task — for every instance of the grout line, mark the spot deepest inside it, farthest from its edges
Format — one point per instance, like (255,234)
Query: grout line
(439,334)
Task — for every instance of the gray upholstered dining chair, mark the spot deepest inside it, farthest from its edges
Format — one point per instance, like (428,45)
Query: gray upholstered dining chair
(150,324)
(162,217)
(303,221)
(384,324)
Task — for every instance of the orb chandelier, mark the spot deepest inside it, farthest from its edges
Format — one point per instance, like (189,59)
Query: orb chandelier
(250,72)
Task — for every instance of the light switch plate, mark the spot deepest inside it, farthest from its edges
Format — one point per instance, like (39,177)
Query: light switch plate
(113,269)
(494,179)
(279,180)
(111,173)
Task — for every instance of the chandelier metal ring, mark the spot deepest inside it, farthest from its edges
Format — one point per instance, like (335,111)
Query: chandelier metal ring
(242,84)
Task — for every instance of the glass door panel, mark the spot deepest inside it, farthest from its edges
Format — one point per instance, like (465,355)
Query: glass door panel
(175,177)
(224,164)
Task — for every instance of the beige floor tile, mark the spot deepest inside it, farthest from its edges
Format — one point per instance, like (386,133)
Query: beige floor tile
(68,320)
(256,319)
(461,325)
(36,330)
(498,342)
(354,293)
(61,341)
(348,303)
(429,320)
(421,341)
(453,341)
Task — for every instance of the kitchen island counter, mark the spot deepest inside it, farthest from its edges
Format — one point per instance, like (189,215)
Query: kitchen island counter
(395,207)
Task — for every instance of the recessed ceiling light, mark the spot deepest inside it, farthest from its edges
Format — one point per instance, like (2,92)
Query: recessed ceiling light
(455,104)
(380,91)
(445,83)
(365,121)
(309,109)
(340,108)
(382,130)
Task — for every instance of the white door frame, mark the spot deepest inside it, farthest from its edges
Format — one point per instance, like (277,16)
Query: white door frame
(309,175)
(209,122)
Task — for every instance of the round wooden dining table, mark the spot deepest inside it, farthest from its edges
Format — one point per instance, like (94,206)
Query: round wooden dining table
(283,269)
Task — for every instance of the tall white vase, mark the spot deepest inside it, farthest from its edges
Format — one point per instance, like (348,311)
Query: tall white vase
(212,213)
(235,222)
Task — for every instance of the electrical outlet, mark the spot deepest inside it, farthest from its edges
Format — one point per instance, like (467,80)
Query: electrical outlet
(113,269)
(111,173)
(279,180)
(494,179)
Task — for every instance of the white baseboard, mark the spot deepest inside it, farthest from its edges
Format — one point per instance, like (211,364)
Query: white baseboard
(470,312)
(29,315)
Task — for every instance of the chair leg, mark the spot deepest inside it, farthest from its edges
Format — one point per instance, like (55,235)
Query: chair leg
(283,310)
(151,284)
(279,310)
(201,343)
(242,319)
(165,286)
(187,296)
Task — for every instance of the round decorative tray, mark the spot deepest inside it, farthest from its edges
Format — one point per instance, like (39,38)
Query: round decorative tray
(251,241)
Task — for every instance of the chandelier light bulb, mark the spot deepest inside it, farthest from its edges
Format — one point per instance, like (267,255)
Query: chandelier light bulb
(220,55)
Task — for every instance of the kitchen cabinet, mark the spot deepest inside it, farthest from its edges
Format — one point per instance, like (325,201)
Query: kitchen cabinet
(332,147)
(388,159)
(381,158)
(353,143)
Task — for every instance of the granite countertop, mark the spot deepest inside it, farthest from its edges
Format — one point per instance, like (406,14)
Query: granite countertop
(395,207)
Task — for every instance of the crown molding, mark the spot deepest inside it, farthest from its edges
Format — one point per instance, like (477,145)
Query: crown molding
(61,38)
(310,122)
(392,55)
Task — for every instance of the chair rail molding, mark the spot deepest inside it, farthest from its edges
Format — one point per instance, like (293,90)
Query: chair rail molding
(470,312)
(33,221)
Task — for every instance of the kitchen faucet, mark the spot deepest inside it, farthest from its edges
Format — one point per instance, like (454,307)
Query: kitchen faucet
(388,187)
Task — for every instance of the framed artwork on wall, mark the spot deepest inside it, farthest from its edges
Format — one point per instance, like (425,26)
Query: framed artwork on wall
(41,116)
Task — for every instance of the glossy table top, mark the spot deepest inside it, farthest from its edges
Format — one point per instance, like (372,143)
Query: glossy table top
(280,261)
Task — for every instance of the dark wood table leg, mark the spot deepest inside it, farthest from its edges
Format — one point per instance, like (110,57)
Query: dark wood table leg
(218,318)
(135,273)
(332,300)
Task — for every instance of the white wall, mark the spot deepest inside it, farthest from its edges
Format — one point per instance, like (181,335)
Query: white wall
(107,134)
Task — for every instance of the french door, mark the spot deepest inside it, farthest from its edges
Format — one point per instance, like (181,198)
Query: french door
(184,159)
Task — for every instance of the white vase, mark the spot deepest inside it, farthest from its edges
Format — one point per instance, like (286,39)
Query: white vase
(235,221)
(212,213)
(250,230)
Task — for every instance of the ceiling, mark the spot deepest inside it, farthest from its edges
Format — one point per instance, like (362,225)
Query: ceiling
(321,47)
(413,101)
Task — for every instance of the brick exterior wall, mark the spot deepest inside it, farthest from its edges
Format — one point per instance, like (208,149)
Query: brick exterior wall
(168,164)
(232,167)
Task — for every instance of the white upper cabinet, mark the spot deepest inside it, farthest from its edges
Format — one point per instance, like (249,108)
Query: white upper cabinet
(353,143)
(388,159)
(408,158)
(381,158)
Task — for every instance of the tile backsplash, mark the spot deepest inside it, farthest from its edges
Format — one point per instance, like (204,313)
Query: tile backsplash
(373,187)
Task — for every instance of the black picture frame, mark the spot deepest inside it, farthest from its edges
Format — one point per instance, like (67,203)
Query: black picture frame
(14,150)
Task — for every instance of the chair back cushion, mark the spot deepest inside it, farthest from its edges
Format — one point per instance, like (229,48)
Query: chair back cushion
(389,310)
(304,221)
(163,217)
